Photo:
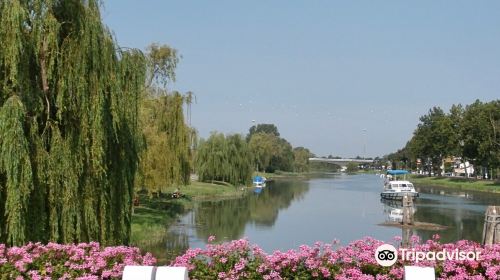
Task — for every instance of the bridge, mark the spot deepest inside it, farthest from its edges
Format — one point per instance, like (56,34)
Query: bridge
(342,162)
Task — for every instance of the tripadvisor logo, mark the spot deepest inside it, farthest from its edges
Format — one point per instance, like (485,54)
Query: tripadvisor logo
(387,255)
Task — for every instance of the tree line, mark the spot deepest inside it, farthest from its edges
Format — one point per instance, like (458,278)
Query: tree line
(471,133)
(233,159)
(83,124)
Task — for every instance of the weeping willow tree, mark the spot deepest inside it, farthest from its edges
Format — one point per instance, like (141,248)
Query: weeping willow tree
(222,158)
(68,124)
(165,159)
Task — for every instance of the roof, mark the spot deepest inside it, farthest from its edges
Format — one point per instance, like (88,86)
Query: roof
(258,179)
(397,172)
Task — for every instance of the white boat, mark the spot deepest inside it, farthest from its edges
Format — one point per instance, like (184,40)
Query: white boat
(397,189)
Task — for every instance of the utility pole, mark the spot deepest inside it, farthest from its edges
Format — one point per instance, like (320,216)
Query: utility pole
(364,144)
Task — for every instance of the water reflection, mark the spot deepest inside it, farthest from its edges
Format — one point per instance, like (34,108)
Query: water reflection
(175,242)
(461,211)
(393,210)
(227,219)
(289,213)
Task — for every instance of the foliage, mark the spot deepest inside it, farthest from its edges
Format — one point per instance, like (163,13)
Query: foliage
(224,158)
(167,141)
(262,128)
(481,133)
(162,61)
(68,124)
(165,159)
(270,152)
(240,260)
(72,261)
(263,146)
(457,183)
(318,166)
(401,159)
(282,158)
(434,139)
(352,167)
(471,133)
(301,159)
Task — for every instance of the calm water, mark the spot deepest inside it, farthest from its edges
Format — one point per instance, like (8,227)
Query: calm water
(288,213)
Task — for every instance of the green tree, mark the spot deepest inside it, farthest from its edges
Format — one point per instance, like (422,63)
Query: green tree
(263,147)
(270,152)
(162,62)
(301,159)
(401,159)
(434,139)
(165,158)
(352,167)
(282,158)
(222,158)
(69,99)
(262,128)
(481,125)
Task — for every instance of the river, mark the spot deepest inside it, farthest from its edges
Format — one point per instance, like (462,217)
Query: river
(288,213)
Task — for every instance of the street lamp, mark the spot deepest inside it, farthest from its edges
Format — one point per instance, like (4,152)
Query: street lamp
(364,144)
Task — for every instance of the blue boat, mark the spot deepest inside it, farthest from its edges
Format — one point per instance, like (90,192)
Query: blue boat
(259,181)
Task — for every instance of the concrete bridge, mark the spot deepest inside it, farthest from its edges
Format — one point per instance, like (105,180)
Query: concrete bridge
(342,162)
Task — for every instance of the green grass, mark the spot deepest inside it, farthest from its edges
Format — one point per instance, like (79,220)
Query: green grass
(283,174)
(457,183)
(155,214)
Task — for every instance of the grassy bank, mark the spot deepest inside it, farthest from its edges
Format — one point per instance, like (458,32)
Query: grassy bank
(457,183)
(283,174)
(155,214)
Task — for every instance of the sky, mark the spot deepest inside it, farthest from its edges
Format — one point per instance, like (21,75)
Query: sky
(344,78)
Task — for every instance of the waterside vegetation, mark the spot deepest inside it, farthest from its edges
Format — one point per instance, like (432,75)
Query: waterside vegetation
(69,98)
(153,214)
(470,133)
(457,183)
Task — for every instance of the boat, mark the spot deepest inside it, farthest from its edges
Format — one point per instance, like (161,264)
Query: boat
(259,181)
(396,189)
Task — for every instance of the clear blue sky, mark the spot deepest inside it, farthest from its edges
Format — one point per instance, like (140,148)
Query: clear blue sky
(322,71)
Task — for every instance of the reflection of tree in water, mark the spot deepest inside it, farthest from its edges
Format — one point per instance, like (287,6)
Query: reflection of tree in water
(461,223)
(485,198)
(227,219)
(175,242)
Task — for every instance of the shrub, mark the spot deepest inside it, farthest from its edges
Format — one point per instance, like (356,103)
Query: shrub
(72,261)
(240,260)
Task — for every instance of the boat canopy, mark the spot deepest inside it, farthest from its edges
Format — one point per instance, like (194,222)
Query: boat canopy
(397,172)
(258,179)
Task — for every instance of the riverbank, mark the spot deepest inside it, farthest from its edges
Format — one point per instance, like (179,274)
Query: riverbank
(457,183)
(284,175)
(153,215)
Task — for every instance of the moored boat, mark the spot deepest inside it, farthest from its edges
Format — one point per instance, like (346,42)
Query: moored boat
(397,189)
(259,181)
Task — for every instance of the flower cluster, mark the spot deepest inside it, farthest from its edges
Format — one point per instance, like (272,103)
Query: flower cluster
(240,260)
(84,261)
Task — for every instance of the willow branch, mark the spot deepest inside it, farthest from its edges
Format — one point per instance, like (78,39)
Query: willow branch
(45,83)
